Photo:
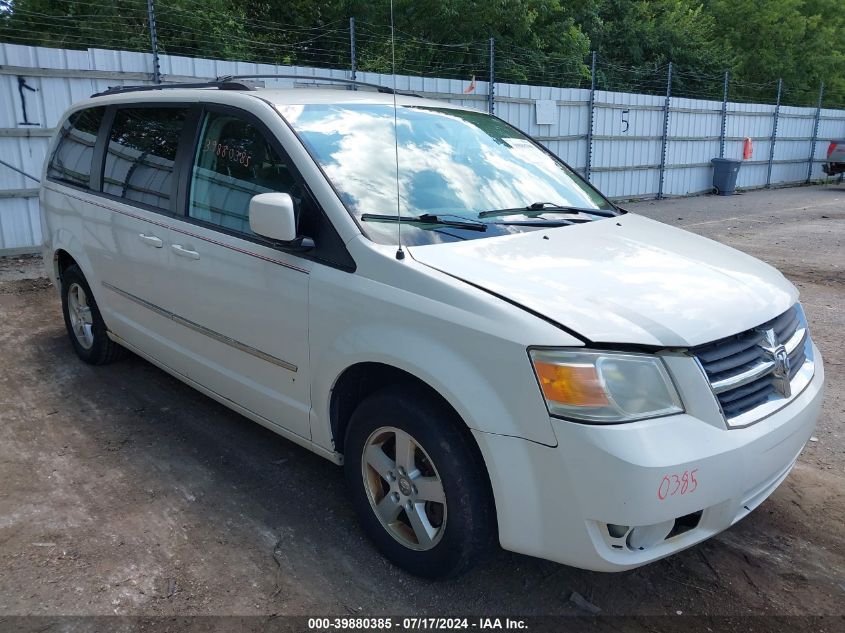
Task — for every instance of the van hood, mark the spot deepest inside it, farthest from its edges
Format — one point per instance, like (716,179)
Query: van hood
(622,280)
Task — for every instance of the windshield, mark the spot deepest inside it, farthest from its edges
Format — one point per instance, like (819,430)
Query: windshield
(454,165)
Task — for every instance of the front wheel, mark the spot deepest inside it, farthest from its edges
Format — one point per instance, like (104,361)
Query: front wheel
(418,484)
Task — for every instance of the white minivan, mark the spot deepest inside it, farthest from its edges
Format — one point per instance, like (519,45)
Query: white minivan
(517,360)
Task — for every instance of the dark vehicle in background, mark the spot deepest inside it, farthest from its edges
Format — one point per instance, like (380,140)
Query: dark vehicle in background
(835,158)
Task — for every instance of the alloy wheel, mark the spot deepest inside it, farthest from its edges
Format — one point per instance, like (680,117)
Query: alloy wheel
(404,488)
(81,320)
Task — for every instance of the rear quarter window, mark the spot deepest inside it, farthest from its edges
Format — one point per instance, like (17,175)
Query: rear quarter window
(71,160)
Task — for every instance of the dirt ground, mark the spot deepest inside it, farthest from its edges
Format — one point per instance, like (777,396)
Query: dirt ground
(123,491)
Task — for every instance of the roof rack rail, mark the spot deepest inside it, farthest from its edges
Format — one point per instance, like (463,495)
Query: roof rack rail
(221,84)
(349,82)
(241,82)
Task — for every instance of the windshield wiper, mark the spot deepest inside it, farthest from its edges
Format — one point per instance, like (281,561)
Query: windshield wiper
(427,218)
(539,208)
(544,222)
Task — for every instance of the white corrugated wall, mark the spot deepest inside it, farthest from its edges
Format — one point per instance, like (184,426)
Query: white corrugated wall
(627,128)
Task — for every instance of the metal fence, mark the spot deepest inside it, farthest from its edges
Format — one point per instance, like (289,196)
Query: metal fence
(629,145)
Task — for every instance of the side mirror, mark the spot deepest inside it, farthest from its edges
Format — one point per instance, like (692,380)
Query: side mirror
(272,215)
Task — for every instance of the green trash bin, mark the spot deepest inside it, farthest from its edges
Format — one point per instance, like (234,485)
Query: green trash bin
(725,172)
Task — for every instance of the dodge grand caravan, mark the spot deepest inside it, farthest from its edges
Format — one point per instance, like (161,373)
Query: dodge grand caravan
(518,360)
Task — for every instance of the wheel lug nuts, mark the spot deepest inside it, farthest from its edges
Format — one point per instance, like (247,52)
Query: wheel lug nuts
(395,497)
(409,506)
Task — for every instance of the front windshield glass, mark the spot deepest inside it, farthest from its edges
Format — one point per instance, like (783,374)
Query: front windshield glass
(453,164)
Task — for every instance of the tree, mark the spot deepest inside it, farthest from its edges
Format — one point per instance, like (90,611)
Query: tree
(636,40)
(449,37)
(537,41)
(68,24)
(212,29)
(802,41)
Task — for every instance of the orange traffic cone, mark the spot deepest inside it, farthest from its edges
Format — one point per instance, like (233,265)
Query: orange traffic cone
(747,149)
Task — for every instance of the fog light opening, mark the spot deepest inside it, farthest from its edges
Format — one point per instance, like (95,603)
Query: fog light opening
(646,536)
(685,524)
(617,531)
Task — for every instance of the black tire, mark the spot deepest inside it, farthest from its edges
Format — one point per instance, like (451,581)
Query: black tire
(103,350)
(468,529)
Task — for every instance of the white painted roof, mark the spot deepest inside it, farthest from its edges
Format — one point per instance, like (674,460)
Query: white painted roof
(304,96)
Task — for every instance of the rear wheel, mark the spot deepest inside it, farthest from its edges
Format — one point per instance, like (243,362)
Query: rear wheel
(417,483)
(83,321)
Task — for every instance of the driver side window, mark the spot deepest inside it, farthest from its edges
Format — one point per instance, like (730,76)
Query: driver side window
(234,162)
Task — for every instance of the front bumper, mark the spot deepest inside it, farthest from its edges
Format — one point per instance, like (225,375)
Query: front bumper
(557,502)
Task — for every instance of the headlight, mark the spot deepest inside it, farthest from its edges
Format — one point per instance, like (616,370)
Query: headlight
(604,387)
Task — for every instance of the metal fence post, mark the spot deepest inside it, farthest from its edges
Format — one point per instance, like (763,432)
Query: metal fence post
(774,136)
(815,133)
(665,133)
(590,112)
(724,117)
(352,48)
(491,79)
(151,17)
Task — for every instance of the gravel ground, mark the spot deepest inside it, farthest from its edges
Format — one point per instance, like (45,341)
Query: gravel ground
(123,491)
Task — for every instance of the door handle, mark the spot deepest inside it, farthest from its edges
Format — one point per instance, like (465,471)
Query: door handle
(181,251)
(152,240)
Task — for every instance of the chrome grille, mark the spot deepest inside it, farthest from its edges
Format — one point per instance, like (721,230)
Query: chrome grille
(758,366)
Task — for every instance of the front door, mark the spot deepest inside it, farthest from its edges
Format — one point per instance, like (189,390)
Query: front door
(239,306)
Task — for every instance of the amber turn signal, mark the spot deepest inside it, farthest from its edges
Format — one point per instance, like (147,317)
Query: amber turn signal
(574,385)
